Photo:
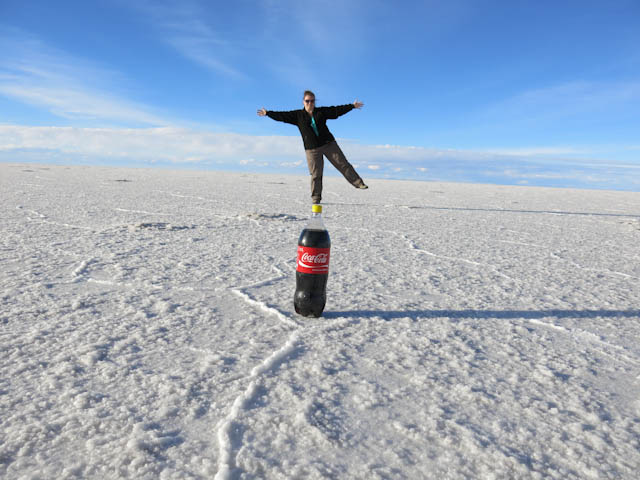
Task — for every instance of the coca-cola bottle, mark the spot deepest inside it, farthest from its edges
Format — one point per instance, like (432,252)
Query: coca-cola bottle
(312,268)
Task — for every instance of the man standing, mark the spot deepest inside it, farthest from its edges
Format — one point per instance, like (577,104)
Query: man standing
(318,140)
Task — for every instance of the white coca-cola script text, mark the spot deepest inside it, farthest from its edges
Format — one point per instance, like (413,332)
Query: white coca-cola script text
(320,258)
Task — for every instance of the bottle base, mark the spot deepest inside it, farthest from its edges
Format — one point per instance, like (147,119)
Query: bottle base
(308,313)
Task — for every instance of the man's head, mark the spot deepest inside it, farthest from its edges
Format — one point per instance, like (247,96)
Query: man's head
(309,101)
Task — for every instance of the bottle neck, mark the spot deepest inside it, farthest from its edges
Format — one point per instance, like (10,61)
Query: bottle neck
(315,222)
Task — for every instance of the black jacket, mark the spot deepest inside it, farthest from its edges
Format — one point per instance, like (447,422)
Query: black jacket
(303,121)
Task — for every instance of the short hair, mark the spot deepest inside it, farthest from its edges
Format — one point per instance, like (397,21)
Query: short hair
(308,92)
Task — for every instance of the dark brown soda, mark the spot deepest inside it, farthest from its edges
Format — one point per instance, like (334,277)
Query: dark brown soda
(311,289)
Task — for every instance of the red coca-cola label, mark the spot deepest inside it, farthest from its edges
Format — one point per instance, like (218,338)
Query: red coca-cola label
(313,260)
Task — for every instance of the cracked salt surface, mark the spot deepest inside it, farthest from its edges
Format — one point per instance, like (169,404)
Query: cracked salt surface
(471,331)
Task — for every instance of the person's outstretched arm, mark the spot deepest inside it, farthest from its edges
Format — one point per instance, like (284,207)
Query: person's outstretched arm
(286,117)
(335,112)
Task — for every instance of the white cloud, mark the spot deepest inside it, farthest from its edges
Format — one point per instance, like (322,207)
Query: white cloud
(182,146)
(77,103)
(66,86)
(168,144)
(290,164)
(331,26)
(413,154)
(175,144)
(538,151)
(563,101)
(334,32)
(184,27)
(569,175)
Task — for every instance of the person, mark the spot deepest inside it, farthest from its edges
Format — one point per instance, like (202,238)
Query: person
(318,140)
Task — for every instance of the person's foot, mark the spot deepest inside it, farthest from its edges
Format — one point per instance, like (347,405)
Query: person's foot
(362,186)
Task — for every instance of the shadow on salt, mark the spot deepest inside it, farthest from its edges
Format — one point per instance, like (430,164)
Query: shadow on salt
(486,314)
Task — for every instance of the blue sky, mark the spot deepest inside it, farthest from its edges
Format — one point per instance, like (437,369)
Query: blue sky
(515,92)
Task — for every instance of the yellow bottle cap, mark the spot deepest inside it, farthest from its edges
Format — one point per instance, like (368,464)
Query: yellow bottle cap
(315,208)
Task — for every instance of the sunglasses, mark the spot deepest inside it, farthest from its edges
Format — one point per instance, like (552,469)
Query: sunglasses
(310,101)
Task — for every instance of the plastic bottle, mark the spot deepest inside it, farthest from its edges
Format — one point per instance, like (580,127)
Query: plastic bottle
(312,268)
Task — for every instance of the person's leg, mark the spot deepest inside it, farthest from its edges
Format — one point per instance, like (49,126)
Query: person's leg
(338,160)
(315,162)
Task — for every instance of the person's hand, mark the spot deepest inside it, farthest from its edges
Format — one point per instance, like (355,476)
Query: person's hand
(358,104)
(262,112)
